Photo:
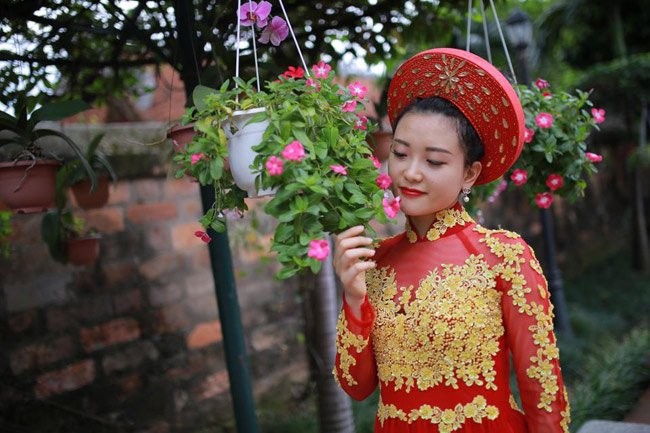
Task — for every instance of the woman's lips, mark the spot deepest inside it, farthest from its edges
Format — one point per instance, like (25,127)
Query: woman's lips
(411,192)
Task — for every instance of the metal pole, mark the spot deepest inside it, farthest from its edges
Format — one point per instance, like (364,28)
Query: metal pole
(220,258)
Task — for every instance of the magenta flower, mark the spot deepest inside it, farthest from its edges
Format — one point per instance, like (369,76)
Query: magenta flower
(593,157)
(361,123)
(349,106)
(544,200)
(196,157)
(384,181)
(319,249)
(339,169)
(203,236)
(321,69)
(312,83)
(541,83)
(554,181)
(598,114)
(375,162)
(275,166)
(294,151)
(252,13)
(519,177)
(544,120)
(391,206)
(529,133)
(275,32)
(358,90)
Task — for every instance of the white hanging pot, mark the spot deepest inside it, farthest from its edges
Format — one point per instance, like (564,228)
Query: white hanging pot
(240,148)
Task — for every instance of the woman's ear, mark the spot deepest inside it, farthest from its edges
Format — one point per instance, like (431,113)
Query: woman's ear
(471,173)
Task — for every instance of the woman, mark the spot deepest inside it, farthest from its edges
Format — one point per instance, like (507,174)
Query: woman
(434,315)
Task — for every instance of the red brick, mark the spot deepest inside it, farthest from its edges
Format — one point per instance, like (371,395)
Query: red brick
(59,319)
(147,189)
(171,318)
(192,208)
(23,321)
(119,193)
(160,265)
(204,334)
(110,333)
(106,219)
(201,259)
(158,237)
(127,302)
(117,273)
(213,385)
(157,427)
(177,188)
(183,237)
(148,212)
(72,377)
(129,385)
(40,355)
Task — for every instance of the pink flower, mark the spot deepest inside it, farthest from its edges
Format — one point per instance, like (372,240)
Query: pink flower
(375,162)
(349,106)
(275,32)
(251,13)
(529,133)
(541,83)
(321,69)
(593,157)
(293,72)
(275,166)
(339,169)
(294,151)
(547,95)
(196,157)
(358,90)
(598,114)
(384,181)
(312,83)
(554,181)
(361,123)
(544,120)
(319,249)
(203,236)
(544,200)
(519,177)
(391,206)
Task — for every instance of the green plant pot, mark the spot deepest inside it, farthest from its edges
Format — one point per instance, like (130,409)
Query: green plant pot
(28,186)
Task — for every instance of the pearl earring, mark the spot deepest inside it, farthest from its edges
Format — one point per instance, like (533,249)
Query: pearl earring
(465,193)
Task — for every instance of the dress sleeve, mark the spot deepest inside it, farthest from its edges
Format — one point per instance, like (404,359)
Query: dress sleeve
(528,320)
(355,369)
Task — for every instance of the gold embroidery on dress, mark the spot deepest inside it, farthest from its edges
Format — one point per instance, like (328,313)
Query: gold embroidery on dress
(509,268)
(566,414)
(444,220)
(447,420)
(346,340)
(445,331)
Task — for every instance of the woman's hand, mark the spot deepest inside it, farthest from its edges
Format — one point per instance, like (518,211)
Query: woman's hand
(350,254)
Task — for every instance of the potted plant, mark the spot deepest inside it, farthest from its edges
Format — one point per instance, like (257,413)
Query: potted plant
(27,167)
(87,195)
(555,160)
(312,152)
(68,238)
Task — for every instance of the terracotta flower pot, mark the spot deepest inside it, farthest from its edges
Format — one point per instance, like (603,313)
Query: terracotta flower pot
(380,142)
(83,251)
(87,199)
(28,186)
(181,136)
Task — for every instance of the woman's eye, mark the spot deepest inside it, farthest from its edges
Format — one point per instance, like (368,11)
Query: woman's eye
(398,154)
(435,163)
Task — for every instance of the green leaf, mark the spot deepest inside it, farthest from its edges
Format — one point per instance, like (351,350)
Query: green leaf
(59,110)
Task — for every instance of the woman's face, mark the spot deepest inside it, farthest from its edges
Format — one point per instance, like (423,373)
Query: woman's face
(427,166)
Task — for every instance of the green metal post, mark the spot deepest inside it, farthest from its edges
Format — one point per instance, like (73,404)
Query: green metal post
(220,259)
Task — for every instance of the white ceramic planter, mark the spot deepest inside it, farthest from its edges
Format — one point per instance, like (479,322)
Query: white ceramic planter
(240,152)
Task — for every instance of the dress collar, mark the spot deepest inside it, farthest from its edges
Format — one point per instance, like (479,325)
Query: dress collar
(445,222)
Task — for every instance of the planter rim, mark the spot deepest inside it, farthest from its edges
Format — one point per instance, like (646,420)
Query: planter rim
(178,128)
(249,111)
(24,162)
(85,238)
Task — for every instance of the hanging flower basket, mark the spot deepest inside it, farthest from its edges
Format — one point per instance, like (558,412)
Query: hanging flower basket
(180,136)
(83,251)
(310,149)
(28,186)
(86,198)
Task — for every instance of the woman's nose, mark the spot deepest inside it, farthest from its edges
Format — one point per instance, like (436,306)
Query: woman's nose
(412,171)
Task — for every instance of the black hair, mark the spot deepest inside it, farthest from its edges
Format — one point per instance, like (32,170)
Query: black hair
(468,137)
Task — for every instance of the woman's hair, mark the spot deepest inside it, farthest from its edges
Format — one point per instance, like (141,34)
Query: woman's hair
(468,137)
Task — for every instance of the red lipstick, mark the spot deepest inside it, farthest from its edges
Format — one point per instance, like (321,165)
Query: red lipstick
(409,192)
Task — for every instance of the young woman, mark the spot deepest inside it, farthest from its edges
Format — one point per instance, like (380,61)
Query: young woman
(435,315)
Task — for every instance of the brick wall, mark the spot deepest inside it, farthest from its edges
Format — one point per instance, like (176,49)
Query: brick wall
(134,343)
